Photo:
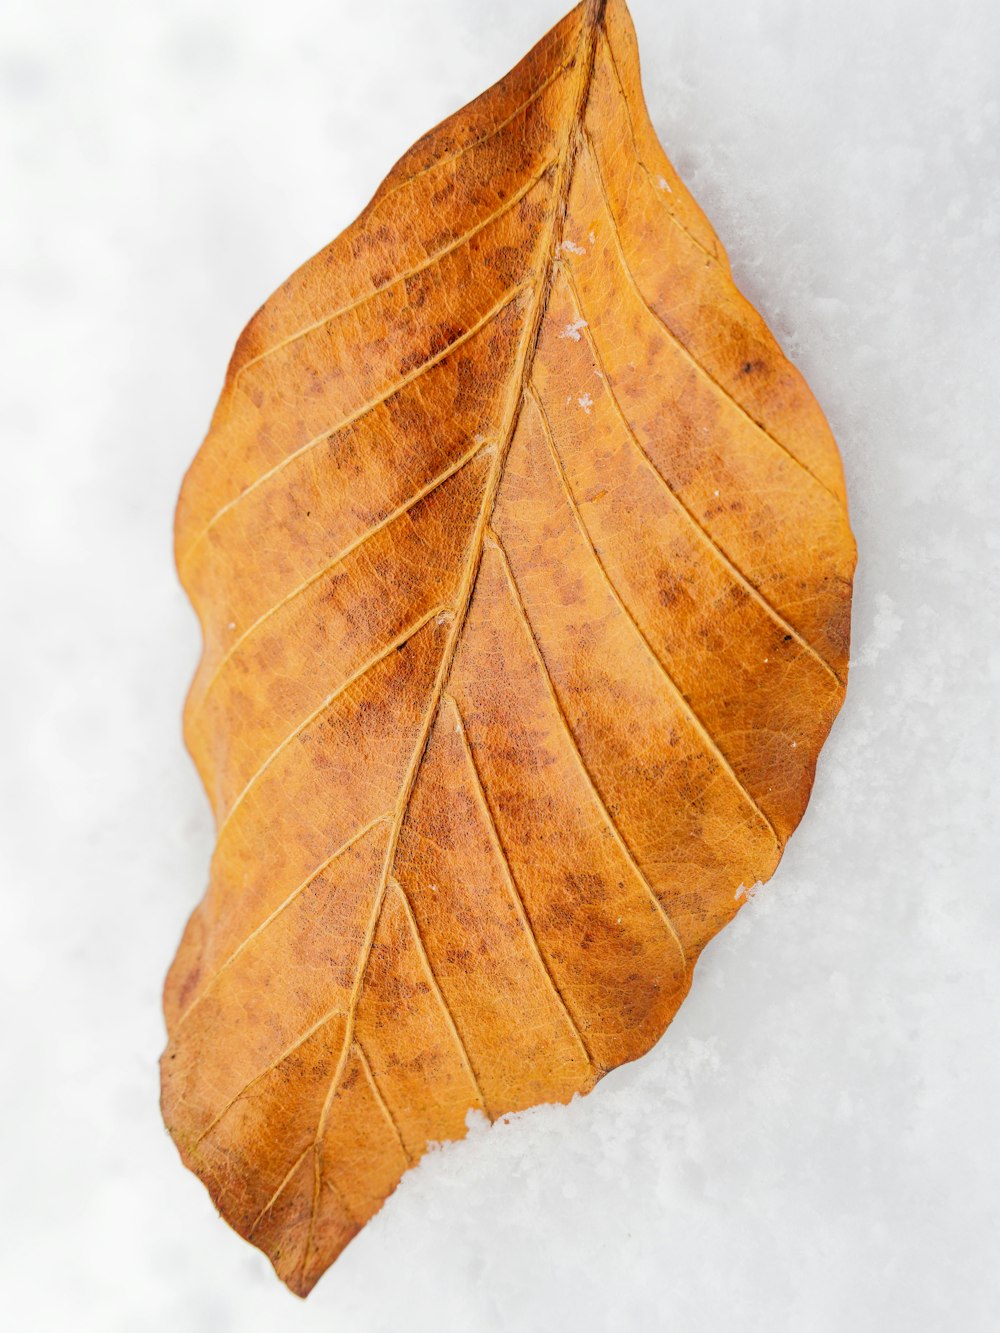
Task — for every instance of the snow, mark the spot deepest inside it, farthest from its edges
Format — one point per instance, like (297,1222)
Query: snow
(812,1145)
(572,331)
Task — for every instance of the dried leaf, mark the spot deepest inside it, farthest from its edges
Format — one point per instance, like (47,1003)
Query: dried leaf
(524,570)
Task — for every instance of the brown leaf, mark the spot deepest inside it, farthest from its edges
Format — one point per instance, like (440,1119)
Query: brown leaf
(524,570)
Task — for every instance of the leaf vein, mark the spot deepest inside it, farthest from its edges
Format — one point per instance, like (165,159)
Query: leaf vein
(258,930)
(508,875)
(598,799)
(330,699)
(605,36)
(421,947)
(364,410)
(703,532)
(708,741)
(380,1099)
(404,276)
(301,1040)
(484,138)
(281,1189)
(515,399)
(689,356)
(343,554)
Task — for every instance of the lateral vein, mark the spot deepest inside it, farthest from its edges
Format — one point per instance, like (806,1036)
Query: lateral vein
(404,276)
(702,532)
(330,699)
(598,799)
(353,417)
(708,741)
(508,875)
(342,555)
(689,356)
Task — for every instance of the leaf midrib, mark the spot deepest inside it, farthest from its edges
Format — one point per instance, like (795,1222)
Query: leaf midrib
(516,396)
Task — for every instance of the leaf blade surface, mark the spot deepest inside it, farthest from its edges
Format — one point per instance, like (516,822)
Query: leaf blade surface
(523,566)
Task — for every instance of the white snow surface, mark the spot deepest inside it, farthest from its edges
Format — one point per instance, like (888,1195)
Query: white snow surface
(812,1146)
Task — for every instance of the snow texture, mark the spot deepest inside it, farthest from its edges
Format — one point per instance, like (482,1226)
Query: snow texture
(812,1145)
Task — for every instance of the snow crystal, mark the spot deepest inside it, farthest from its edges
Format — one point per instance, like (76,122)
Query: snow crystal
(885,629)
(748,894)
(573,330)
